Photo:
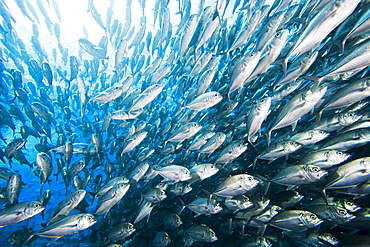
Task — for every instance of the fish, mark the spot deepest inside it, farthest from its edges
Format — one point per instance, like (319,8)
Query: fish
(121,231)
(111,198)
(147,96)
(204,206)
(202,233)
(13,189)
(43,167)
(204,171)
(19,212)
(299,174)
(296,108)
(205,101)
(67,226)
(174,173)
(295,220)
(236,185)
(320,26)
(67,205)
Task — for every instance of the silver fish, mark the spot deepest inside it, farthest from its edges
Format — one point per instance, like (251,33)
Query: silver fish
(299,174)
(202,233)
(19,212)
(205,101)
(67,226)
(325,158)
(111,198)
(67,205)
(204,206)
(298,106)
(236,185)
(174,173)
(121,231)
(147,96)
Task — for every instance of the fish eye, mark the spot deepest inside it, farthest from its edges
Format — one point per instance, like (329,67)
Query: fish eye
(339,153)
(321,132)
(277,35)
(315,169)
(313,217)
(251,55)
(350,203)
(308,53)
(342,212)
(37,205)
(334,239)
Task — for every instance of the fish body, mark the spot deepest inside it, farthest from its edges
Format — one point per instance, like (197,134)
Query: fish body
(236,185)
(202,233)
(111,198)
(67,205)
(67,226)
(175,173)
(19,212)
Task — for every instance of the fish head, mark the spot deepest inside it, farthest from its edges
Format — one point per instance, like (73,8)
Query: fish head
(161,239)
(310,219)
(297,196)
(210,170)
(315,172)
(244,202)
(349,118)
(34,208)
(80,194)
(350,206)
(216,97)
(344,215)
(42,158)
(211,236)
(292,146)
(319,134)
(248,181)
(85,221)
(216,208)
(130,227)
(161,194)
(337,156)
(184,174)
(328,237)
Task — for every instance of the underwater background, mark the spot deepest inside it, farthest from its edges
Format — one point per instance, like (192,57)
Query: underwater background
(184,123)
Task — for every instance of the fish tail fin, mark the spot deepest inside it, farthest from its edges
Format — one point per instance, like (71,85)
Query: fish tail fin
(316,79)
(28,239)
(250,142)
(262,224)
(325,195)
(182,205)
(318,116)
(268,137)
(284,64)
